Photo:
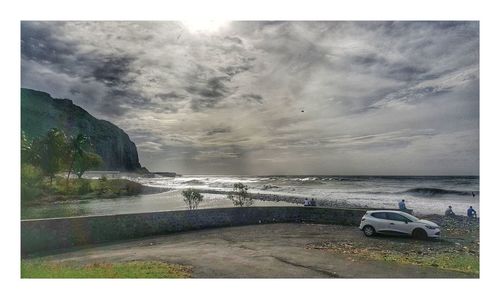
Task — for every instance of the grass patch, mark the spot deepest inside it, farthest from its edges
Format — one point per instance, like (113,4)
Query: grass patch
(447,261)
(133,269)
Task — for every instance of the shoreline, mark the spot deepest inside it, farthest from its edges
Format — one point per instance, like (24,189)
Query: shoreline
(263,197)
(295,199)
(321,202)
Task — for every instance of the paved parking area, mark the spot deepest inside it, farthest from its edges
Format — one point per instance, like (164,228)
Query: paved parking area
(257,251)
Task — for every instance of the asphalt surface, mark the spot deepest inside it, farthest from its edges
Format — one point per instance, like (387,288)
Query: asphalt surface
(257,251)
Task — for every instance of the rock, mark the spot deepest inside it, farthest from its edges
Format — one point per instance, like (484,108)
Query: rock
(40,113)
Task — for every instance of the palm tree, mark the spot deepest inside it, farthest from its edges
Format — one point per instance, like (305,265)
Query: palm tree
(77,148)
(51,150)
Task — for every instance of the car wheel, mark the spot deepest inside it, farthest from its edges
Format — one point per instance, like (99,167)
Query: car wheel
(368,230)
(419,234)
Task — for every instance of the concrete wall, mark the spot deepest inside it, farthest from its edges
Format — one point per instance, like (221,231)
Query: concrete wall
(55,233)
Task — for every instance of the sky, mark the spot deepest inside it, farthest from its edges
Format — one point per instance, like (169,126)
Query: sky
(262,98)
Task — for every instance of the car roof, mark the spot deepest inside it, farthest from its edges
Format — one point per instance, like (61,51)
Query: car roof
(387,211)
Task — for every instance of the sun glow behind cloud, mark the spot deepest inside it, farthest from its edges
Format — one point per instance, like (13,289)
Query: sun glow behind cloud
(204,26)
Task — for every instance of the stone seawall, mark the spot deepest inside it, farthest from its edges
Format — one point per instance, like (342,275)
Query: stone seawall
(55,233)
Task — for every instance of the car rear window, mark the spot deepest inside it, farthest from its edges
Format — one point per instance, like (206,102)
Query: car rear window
(396,217)
(379,215)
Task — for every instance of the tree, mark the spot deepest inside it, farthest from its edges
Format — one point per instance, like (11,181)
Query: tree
(28,155)
(52,152)
(192,198)
(76,150)
(86,161)
(240,196)
(31,176)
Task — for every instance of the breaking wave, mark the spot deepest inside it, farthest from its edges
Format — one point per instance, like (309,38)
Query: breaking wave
(437,192)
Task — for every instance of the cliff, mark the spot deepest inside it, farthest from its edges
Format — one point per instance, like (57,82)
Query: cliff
(40,112)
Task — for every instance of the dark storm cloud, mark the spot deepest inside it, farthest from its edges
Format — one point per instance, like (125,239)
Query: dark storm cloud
(209,93)
(119,101)
(112,108)
(39,43)
(368,60)
(253,98)
(406,72)
(394,70)
(201,104)
(113,71)
(215,88)
(234,70)
(166,108)
(45,43)
(170,96)
(218,131)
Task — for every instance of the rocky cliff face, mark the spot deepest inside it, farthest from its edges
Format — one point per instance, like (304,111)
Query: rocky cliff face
(40,112)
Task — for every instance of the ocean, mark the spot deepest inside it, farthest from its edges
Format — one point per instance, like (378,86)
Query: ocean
(423,194)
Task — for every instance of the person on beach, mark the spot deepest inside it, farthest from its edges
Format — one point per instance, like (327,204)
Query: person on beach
(402,205)
(471,213)
(307,202)
(313,202)
(449,212)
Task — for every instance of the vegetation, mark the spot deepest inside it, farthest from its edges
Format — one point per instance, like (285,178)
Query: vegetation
(240,196)
(81,158)
(44,157)
(134,269)
(192,198)
(31,181)
(50,152)
(86,161)
(61,189)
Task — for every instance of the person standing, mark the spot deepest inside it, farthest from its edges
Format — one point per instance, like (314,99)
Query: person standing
(471,213)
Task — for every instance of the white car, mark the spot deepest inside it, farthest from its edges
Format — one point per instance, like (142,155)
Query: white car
(398,223)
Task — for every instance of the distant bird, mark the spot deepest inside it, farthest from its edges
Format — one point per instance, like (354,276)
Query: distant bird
(301,110)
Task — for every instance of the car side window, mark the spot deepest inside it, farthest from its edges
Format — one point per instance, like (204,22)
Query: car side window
(397,217)
(379,215)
